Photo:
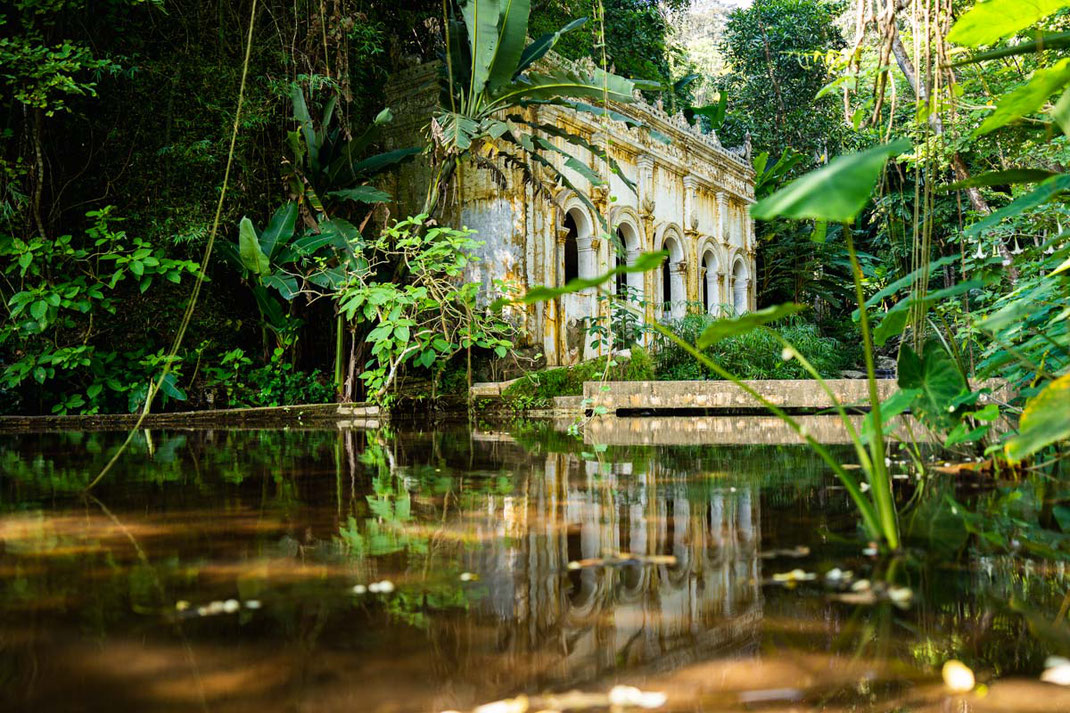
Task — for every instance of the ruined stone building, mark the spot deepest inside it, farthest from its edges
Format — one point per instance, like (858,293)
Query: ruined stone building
(691,200)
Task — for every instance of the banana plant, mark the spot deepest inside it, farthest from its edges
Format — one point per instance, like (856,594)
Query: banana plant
(489,72)
(274,263)
(328,167)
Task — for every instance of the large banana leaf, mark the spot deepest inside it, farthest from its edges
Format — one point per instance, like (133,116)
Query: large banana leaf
(481,19)
(597,85)
(254,260)
(577,140)
(512,34)
(279,230)
(538,49)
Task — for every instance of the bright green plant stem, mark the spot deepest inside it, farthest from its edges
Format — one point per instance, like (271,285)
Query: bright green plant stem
(880,482)
(870,518)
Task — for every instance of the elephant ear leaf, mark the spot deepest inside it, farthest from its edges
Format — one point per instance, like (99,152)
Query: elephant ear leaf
(939,382)
(252,257)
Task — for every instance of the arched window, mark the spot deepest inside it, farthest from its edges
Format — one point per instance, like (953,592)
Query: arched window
(673,291)
(620,250)
(710,297)
(572,249)
(740,287)
(625,250)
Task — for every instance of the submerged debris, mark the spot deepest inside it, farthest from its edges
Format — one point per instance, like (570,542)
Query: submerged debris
(618,697)
(799,551)
(619,559)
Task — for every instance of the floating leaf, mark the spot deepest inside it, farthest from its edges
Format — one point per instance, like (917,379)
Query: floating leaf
(836,192)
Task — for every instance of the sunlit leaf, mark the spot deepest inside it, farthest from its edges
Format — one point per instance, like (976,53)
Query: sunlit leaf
(986,22)
(837,192)
(252,256)
(645,262)
(1027,98)
(935,375)
(723,328)
(1045,420)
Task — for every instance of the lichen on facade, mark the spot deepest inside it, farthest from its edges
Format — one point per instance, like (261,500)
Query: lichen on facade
(691,200)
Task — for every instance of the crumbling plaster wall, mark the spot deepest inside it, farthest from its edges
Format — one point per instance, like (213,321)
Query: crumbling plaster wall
(691,198)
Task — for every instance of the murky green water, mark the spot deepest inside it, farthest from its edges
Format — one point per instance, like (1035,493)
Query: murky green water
(216,571)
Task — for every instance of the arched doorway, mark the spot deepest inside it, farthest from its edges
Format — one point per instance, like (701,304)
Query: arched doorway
(626,250)
(673,291)
(571,249)
(740,287)
(711,298)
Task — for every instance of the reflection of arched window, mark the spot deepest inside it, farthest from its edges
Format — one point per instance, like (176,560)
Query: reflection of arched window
(740,284)
(709,282)
(572,249)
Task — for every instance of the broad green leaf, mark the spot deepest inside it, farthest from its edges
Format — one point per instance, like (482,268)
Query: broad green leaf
(279,229)
(252,257)
(285,284)
(538,48)
(458,129)
(1045,421)
(644,263)
(1002,178)
(481,21)
(365,168)
(837,192)
(1060,113)
(558,83)
(1027,98)
(723,328)
(986,22)
(512,36)
(1040,195)
(362,194)
(934,373)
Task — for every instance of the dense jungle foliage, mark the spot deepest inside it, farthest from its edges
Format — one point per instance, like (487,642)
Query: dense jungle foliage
(118,119)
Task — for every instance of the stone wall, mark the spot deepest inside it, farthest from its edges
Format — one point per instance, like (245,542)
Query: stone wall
(691,199)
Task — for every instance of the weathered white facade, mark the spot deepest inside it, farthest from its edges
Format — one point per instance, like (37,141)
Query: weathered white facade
(691,200)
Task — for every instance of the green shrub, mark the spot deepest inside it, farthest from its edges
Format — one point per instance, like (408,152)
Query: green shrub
(754,355)
(538,389)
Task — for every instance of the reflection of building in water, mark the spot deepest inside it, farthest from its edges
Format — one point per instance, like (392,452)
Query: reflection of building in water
(595,619)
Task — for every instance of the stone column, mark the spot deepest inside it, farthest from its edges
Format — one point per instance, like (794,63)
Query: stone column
(645,188)
(720,292)
(722,217)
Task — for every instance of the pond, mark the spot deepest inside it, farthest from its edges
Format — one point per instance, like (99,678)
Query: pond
(433,570)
